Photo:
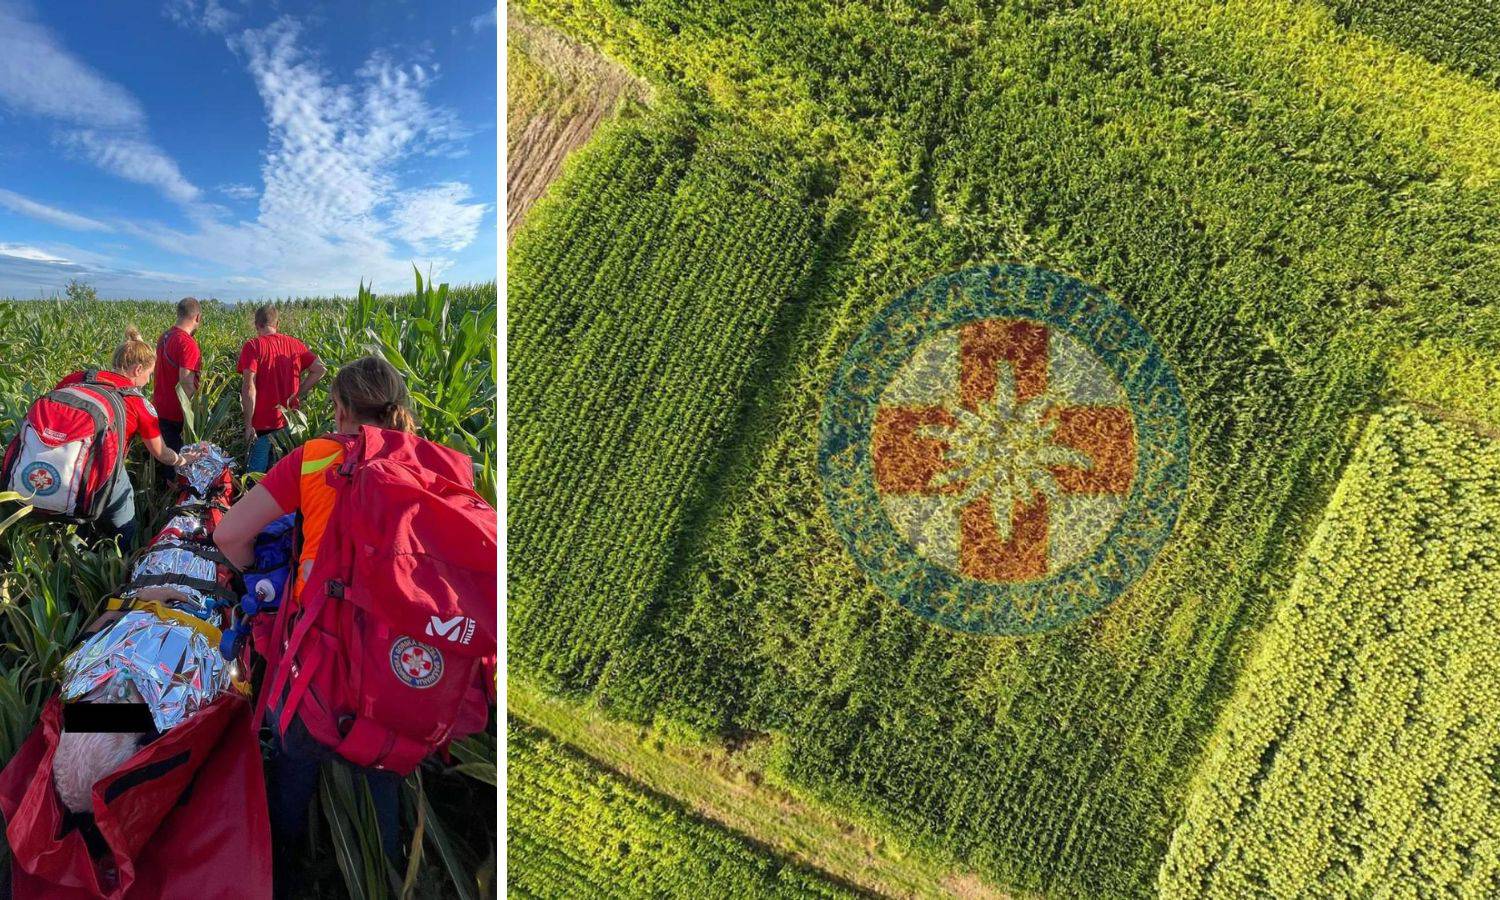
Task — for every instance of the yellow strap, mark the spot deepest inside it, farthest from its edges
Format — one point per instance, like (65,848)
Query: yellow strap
(167,613)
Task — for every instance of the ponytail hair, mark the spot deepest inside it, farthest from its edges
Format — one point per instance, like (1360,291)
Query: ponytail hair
(374,393)
(134,352)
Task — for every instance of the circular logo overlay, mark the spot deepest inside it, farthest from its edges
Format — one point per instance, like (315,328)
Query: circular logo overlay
(415,663)
(42,478)
(1004,450)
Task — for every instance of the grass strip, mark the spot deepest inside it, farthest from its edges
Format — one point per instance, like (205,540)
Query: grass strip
(577,829)
(730,783)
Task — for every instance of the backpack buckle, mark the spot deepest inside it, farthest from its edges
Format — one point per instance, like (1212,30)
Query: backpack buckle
(336,590)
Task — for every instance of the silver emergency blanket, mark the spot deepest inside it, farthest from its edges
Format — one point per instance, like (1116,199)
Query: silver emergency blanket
(173,666)
(185,525)
(203,472)
(175,558)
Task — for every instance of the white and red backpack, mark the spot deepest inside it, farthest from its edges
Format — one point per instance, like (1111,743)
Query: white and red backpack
(70,449)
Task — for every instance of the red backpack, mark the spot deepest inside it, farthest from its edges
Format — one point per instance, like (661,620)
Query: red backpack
(388,652)
(70,449)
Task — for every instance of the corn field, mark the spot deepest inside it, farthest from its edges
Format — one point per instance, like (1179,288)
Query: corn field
(1296,202)
(442,340)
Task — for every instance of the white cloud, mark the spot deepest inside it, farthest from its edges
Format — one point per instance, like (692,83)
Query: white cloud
(210,15)
(337,203)
(38,77)
(489,19)
(49,214)
(331,204)
(239,191)
(437,217)
(21,251)
(27,271)
(135,160)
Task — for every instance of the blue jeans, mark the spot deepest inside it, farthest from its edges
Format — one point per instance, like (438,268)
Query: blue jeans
(292,778)
(268,447)
(171,435)
(118,518)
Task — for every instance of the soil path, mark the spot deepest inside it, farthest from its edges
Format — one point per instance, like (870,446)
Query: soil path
(559,92)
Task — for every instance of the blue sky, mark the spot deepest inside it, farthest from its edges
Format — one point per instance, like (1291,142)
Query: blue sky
(242,149)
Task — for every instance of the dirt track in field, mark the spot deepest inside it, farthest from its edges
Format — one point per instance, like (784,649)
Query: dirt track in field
(559,92)
(727,783)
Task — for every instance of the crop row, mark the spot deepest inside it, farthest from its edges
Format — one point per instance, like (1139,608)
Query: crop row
(574,829)
(1281,230)
(1358,754)
(629,358)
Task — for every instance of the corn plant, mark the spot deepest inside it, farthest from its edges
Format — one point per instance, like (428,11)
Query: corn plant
(350,811)
(447,357)
(213,412)
(20,512)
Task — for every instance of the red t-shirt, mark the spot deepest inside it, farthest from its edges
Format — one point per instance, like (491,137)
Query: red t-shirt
(277,361)
(140,416)
(175,350)
(284,481)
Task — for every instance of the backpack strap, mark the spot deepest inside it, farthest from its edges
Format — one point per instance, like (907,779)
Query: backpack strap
(161,348)
(354,454)
(282,644)
(279,674)
(308,615)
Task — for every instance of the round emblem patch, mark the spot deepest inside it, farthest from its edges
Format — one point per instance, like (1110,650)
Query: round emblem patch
(1004,450)
(415,663)
(42,477)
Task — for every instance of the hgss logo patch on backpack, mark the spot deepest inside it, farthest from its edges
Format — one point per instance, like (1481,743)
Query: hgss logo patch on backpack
(42,477)
(416,664)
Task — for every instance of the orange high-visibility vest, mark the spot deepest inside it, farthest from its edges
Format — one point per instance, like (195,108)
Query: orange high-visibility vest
(317,501)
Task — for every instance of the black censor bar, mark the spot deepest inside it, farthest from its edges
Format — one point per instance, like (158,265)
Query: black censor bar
(116,717)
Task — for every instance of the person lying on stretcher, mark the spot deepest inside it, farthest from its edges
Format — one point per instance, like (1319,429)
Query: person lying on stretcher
(120,788)
(154,645)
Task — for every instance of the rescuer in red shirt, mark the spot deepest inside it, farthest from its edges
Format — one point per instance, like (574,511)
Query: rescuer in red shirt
(273,365)
(178,361)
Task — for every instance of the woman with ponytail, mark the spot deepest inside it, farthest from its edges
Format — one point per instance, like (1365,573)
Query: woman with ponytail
(130,370)
(367,391)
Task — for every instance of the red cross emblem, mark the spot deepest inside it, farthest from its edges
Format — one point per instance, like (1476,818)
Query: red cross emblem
(1004,450)
(40,480)
(416,661)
